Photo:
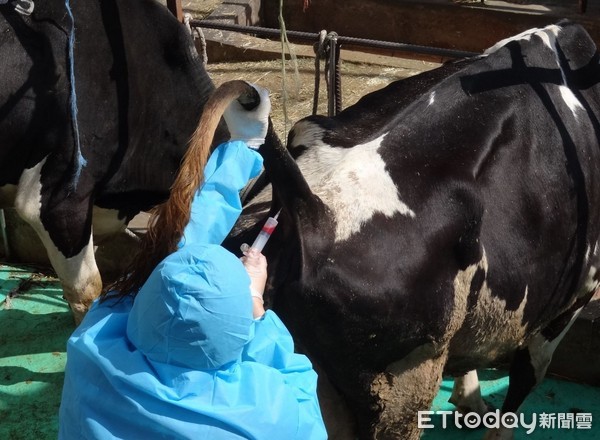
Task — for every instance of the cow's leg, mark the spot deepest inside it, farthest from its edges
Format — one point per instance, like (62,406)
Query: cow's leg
(338,418)
(407,387)
(466,394)
(77,271)
(529,366)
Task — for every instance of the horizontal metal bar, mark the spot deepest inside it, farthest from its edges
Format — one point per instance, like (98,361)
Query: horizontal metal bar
(314,36)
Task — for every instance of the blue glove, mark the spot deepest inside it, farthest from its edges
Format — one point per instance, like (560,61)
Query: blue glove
(249,126)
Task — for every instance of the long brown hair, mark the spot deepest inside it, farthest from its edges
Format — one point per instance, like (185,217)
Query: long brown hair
(168,220)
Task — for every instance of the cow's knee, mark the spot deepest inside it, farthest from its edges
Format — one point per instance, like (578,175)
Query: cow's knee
(79,277)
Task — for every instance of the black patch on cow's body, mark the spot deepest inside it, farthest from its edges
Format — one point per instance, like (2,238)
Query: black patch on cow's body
(31,105)
(140,91)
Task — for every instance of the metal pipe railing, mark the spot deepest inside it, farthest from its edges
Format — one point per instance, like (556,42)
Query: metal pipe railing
(314,36)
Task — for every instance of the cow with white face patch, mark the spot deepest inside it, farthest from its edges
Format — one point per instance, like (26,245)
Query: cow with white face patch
(139,88)
(446,223)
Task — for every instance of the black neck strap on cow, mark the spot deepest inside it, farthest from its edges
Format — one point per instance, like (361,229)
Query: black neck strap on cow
(24,7)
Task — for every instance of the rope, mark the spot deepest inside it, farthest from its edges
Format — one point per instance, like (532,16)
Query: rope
(285,43)
(196,33)
(283,39)
(81,162)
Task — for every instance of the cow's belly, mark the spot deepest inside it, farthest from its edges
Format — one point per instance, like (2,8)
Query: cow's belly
(487,330)
(488,337)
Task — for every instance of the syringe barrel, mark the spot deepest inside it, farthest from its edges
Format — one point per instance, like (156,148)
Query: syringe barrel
(264,234)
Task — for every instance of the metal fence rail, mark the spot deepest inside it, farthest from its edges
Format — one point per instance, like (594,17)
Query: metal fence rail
(314,36)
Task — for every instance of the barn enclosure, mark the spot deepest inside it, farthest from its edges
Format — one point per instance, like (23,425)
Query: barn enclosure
(34,319)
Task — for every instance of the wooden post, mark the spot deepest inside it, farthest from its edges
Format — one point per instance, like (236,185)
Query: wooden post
(175,7)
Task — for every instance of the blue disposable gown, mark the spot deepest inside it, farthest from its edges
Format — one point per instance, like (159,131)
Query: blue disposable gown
(185,359)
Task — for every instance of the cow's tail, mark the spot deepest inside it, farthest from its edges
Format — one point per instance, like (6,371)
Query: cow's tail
(168,220)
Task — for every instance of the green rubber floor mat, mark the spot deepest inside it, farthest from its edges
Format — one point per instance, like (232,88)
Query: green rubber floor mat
(35,324)
(563,410)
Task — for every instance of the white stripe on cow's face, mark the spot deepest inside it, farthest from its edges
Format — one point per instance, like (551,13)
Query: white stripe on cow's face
(353,183)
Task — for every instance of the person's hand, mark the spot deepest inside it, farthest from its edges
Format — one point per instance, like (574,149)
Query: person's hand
(256,266)
(250,125)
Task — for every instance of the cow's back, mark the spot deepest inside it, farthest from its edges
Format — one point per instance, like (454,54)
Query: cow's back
(482,214)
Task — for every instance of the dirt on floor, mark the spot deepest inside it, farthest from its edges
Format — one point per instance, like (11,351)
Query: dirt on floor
(200,8)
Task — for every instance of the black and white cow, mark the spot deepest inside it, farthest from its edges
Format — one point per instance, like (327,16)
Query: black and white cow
(139,88)
(445,223)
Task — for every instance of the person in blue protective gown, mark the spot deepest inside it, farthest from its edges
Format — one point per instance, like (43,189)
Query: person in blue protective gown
(193,355)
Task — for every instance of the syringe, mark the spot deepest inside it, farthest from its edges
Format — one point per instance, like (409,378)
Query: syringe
(263,235)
